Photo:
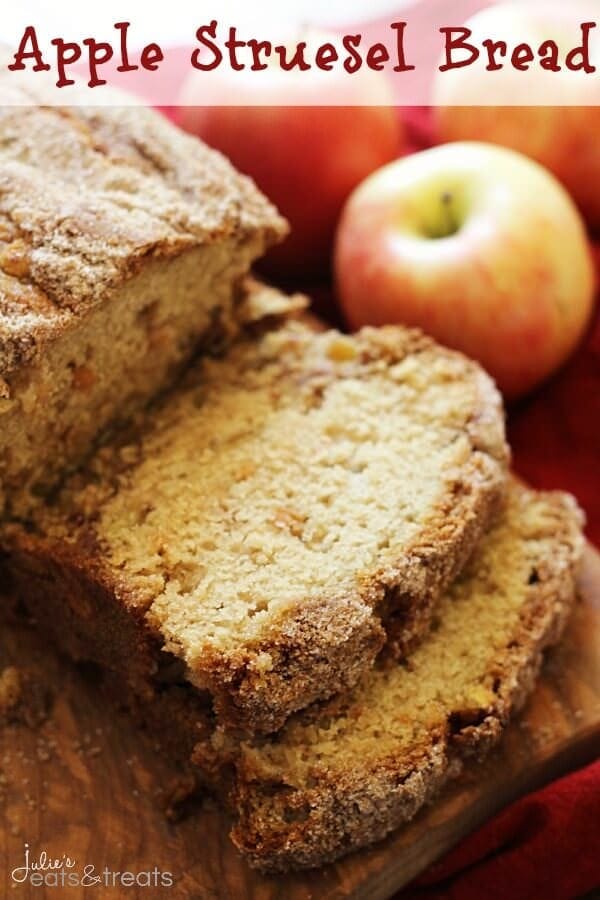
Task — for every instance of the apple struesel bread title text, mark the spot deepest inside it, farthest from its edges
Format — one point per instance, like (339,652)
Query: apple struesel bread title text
(218,46)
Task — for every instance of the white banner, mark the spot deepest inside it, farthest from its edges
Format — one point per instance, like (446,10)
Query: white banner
(303,53)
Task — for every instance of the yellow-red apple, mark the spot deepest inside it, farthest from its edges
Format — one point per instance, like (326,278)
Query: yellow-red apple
(477,245)
(306,157)
(563,137)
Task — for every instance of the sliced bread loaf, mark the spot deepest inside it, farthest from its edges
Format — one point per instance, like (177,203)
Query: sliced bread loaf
(272,517)
(122,244)
(345,773)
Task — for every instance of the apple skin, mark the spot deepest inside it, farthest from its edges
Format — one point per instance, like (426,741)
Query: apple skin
(478,246)
(307,160)
(563,138)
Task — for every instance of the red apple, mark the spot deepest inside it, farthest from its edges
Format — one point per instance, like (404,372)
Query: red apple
(306,157)
(477,245)
(564,137)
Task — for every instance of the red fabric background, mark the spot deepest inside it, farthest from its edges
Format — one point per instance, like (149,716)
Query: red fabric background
(544,847)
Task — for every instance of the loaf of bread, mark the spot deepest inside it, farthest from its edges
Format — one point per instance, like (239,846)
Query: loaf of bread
(344,774)
(122,244)
(272,519)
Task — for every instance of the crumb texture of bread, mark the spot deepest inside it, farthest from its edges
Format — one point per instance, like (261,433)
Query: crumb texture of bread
(277,510)
(122,243)
(344,774)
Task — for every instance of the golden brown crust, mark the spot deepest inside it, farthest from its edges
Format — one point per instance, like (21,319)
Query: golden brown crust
(282,828)
(87,196)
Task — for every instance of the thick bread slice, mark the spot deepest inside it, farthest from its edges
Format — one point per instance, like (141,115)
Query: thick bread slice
(122,245)
(273,516)
(344,774)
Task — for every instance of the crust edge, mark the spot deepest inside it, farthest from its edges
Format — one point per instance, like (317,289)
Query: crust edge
(368,803)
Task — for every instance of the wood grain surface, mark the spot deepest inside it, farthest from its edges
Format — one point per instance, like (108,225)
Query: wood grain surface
(80,780)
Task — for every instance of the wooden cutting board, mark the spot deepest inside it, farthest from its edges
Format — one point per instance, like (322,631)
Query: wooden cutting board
(85,783)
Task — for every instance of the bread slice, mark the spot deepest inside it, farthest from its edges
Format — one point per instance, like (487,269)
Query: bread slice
(344,774)
(122,244)
(271,518)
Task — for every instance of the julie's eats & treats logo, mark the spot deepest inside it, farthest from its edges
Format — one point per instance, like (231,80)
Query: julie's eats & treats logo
(41,869)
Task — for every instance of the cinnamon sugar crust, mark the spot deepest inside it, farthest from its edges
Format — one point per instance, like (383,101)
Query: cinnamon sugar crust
(88,196)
